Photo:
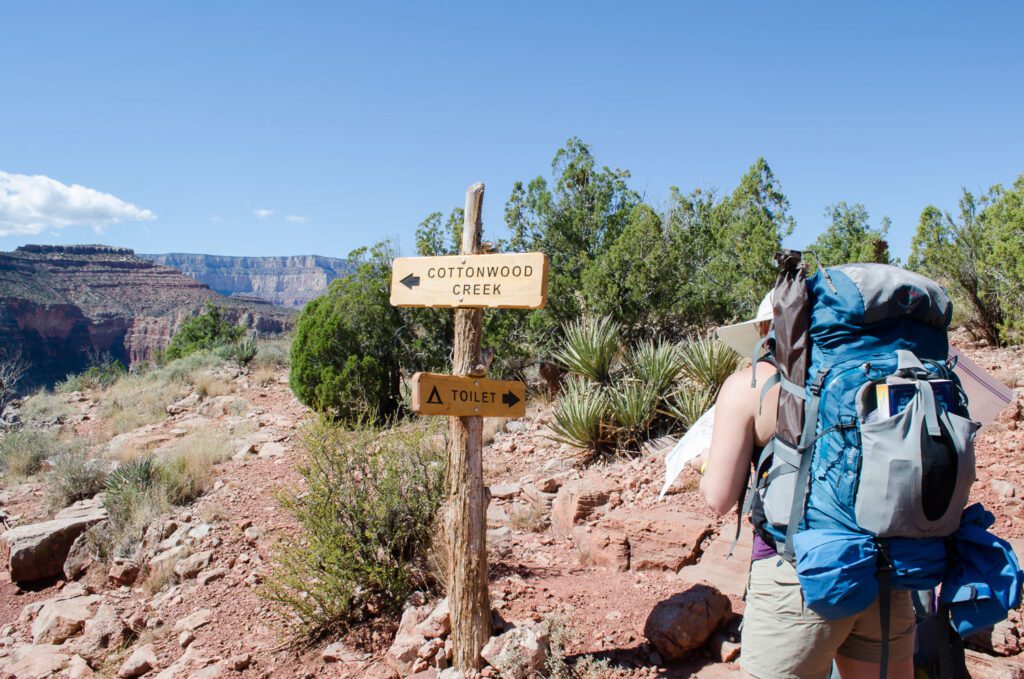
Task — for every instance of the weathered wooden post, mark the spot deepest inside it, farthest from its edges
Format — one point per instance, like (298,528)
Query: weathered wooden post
(469,282)
(467,506)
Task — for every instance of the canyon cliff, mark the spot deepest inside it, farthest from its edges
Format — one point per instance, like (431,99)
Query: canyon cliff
(61,305)
(284,281)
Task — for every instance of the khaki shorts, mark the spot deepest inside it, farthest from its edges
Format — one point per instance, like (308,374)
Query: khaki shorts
(782,639)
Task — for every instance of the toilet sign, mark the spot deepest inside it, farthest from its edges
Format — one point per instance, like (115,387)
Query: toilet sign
(500,281)
(434,394)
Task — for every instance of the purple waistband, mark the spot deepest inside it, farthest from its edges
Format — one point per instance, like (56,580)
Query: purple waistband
(761,549)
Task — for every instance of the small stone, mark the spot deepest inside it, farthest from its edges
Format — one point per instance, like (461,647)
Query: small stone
(190,566)
(252,534)
(239,662)
(210,575)
(138,663)
(78,668)
(1003,488)
(123,572)
(186,638)
(194,621)
(504,491)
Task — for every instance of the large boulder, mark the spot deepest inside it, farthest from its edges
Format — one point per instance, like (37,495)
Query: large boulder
(520,652)
(34,662)
(602,546)
(685,621)
(651,539)
(142,660)
(576,501)
(402,653)
(103,633)
(37,551)
(61,618)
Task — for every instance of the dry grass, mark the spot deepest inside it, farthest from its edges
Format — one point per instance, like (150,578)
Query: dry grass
(138,400)
(23,452)
(264,375)
(210,385)
(44,408)
(161,576)
(186,467)
(531,519)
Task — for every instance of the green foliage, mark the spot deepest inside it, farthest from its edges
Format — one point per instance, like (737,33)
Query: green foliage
(74,476)
(348,346)
(23,451)
(206,330)
(102,372)
(849,238)
(707,363)
(366,515)
(575,221)
(687,405)
(132,500)
(632,406)
(580,416)
(242,352)
(978,256)
(655,363)
(590,348)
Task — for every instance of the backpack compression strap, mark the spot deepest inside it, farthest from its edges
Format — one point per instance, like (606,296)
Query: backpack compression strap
(806,451)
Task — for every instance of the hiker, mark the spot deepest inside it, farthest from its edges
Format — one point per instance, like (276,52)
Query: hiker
(781,637)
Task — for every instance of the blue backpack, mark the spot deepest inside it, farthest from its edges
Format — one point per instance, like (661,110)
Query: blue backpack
(865,484)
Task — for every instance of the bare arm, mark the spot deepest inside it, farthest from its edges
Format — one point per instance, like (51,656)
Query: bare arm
(733,439)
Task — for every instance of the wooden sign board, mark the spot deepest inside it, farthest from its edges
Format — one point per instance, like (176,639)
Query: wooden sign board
(434,394)
(501,281)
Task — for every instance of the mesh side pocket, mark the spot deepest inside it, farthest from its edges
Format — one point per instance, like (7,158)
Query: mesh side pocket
(912,483)
(777,495)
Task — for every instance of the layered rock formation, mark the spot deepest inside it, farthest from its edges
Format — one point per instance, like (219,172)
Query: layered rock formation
(59,305)
(284,281)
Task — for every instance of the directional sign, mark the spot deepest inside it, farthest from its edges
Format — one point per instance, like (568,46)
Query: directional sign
(506,281)
(434,394)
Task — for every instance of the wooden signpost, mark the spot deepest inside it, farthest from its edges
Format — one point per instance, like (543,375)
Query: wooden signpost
(469,282)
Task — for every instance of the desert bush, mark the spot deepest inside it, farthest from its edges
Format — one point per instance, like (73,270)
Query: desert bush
(656,364)
(206,330)
(589,348)
(132,501)
(185,469)
(23,451)
(559,666)
(580,416)
(74,476)
(345,357)
(272,353)
(688,404)
(180,371)
(138,400)
(102,372)
(242,352)
(44,409)
(366,517)
(209,384)
(632,407)
(264,376)
(707,363)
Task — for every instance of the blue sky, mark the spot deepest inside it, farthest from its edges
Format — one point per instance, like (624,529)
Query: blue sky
(184,120)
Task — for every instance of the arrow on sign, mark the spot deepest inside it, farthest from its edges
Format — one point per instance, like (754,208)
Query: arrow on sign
(509,399)
(410,281)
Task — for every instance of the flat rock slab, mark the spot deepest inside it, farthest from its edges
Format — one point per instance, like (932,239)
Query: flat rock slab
(658,539)
(37,551)
(728,576)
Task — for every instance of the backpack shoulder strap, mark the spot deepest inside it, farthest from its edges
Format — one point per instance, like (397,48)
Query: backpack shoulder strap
(805,449)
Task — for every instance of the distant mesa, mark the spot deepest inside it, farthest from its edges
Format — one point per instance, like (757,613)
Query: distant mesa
(61,304)
(284,281)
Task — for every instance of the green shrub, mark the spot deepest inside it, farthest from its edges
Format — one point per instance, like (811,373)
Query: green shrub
(366,515)
(104,371)
(632,407)
(589,348)
(347,353)
(206,330)
(74,476)
(656,364)
(579,416)
(23,451)
(688,404)
(242,352)
(707,363)
(132,500)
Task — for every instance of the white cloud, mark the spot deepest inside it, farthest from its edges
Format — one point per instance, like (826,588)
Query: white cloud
(31,204)
(262,213)
(296,219)
(216,219)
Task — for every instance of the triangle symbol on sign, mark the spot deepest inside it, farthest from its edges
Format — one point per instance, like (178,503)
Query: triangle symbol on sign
(434,397)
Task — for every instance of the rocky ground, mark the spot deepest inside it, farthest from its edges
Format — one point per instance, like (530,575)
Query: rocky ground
(629,585)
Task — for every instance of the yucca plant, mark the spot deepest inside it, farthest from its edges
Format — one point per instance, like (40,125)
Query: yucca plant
(688,404)
(590,348)
(655,364)
(632,406)
(707,362)
(579,417)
